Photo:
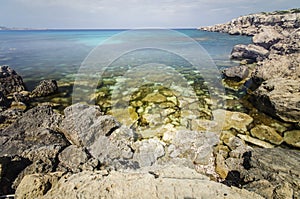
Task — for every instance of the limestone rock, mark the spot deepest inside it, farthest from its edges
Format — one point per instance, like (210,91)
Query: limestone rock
(267,37)
(84,124)
(10,81)
(269,172)
(278,66)
(252,52)
(292,138)
(232,120)
(280,98)
(36,128)
(37,185)
(169,182)
(237,73)
(148,151)
(251,24)
(73,158)
(23,96)
(45,88)
(255,141)
(266,133)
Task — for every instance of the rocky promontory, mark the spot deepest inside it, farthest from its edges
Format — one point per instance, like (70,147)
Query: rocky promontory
(275,54)
(251,25)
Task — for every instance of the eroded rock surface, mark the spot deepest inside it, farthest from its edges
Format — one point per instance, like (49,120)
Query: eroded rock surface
(168,182)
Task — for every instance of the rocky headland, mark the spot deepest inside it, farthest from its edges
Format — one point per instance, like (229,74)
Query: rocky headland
(273,59)
(82,152)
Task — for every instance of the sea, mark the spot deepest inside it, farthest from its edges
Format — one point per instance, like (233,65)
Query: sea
(58,54)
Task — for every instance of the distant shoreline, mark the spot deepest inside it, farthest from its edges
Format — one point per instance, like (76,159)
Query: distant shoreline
(86,29)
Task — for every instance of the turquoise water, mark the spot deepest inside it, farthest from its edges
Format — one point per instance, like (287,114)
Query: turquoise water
(44,54)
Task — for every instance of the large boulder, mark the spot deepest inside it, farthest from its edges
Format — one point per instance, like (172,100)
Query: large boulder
(148,151)
(45,88)
(101,135)
(288,45)
(10,81)
(252,52)
(36,128)
(193,149)
(267,37)
(277,66)
(167,182)
(236,73)
(279,97)
(33,139)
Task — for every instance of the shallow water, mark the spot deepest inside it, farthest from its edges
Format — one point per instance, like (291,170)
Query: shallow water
(44,54)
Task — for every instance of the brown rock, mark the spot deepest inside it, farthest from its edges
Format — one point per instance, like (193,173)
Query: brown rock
(267,37)
(279,98)
(292,138)
(252,52)
(266,133)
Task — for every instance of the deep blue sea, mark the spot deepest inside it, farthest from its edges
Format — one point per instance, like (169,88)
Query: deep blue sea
(44,54)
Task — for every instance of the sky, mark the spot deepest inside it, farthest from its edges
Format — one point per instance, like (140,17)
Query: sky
(114,14)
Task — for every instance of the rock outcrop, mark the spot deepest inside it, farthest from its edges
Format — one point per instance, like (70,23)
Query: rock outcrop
(252,52)
(280,98)
(236,73)
(10,81)
(36,128)
(273,173)
(45,88)
(251,24)
(276,50)
(267,37)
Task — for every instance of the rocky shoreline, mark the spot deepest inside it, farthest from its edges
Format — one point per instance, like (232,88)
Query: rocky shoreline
(84,153)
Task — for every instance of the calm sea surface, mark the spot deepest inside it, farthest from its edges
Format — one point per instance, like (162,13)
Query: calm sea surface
(44,54)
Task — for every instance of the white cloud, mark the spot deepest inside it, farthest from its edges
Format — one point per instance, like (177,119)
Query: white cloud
(130,13)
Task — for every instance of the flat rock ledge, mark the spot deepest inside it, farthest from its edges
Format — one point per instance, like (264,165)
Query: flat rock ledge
(168,182)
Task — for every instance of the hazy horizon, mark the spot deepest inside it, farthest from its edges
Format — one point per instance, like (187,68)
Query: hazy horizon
(117,14)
